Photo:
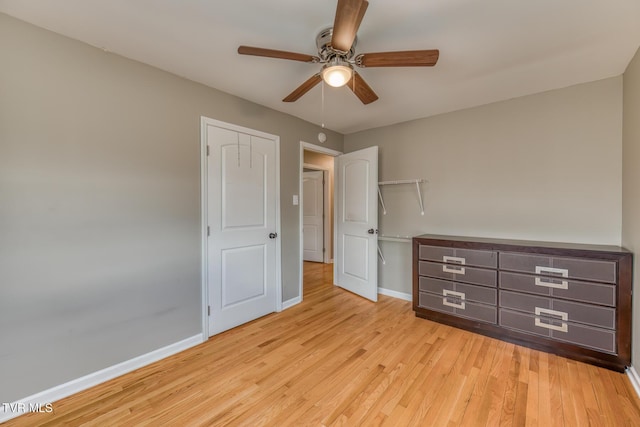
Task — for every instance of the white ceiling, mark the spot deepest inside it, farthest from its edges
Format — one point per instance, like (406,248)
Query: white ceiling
(490,50)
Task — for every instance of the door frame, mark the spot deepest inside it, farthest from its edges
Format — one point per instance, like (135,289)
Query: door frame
(204,195)
(322,150)
(326,222)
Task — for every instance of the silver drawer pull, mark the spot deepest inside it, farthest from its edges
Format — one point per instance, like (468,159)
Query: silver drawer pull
(454,260)
(561,314)
(540,281)
(562,328)
(564,316)
(562,272)
(452,269)
(447,293)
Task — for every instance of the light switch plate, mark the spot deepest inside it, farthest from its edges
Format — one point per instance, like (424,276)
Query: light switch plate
(295,200)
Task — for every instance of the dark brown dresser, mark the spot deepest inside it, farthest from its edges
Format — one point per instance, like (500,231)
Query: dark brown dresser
(573,300)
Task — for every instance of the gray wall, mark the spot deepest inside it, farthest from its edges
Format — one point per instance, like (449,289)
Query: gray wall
(541,167)
(631,187)
(396,272)
(100,205)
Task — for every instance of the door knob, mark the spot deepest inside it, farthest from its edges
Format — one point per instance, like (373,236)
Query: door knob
(273,235)
(371,231)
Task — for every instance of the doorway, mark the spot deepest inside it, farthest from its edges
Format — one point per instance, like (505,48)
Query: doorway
(355,221)
(316,158)
(315,215)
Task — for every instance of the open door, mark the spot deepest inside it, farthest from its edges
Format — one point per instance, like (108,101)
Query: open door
(313,216)
(357,222)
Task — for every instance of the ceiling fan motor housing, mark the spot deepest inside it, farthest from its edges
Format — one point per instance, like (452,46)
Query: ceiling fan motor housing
(326,52)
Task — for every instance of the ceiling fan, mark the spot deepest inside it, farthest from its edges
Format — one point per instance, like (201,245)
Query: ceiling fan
(336,51)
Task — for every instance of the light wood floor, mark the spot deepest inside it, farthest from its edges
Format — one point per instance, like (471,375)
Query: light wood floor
(337,359)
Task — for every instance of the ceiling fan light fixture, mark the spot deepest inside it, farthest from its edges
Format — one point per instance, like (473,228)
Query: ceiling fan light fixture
(337,74)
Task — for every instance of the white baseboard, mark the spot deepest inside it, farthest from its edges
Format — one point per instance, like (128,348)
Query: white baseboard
(395,294)
(39,400)
(291,302)
(634,378)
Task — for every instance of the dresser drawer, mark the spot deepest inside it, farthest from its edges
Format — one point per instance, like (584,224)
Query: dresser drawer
(604,317)
(470,292)
(586,269)
(478,258)
(561,288)
(455,305)
(458,273)
(586,336)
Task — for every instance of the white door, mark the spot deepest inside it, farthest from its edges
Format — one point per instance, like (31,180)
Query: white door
(241,212)
(312,216)
(357,222)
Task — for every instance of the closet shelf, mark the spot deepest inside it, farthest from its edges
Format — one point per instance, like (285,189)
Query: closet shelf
(417,182)
(402,181)
(395,239)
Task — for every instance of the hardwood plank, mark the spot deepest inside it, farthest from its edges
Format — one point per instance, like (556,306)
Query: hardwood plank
(569,400)
(545,416)
(511,389)
(555,390)
(532,408)
(475,405)
(337,359)
(453,412)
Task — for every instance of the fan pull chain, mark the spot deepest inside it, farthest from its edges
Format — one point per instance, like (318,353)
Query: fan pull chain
(322,104)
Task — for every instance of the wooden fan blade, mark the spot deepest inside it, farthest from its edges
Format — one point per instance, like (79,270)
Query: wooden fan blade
(303,88)
(349,14)
(281,54)
(407,58)
(361,89)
